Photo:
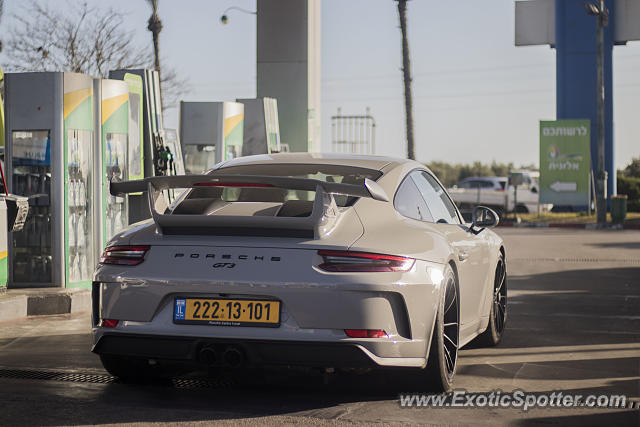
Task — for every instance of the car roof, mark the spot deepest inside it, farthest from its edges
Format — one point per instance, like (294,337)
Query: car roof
(354,160)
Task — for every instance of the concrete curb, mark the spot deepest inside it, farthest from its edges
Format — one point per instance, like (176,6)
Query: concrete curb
(14,307)
(20,303)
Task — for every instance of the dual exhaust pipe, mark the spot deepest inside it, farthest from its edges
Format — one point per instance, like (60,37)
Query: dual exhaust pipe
(230,355)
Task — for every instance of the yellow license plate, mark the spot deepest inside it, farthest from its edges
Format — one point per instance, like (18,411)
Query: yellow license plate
(227,312)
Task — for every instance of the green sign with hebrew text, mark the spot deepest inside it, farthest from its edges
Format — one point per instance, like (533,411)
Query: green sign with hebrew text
(565,162)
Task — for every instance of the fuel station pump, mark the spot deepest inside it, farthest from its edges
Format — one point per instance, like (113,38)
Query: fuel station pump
(112,106)
(261,126)
(210,132)
(13,209)
(67,136)
(49,158)
(145,96)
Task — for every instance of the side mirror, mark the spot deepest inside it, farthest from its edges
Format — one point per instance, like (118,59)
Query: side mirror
(483,217)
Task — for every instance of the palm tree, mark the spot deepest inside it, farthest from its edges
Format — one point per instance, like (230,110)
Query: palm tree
(155,26)
(406,70)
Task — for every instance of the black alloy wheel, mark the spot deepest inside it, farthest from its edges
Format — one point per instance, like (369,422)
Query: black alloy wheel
(500,297)
(498,316)
(443,352)
(451,325)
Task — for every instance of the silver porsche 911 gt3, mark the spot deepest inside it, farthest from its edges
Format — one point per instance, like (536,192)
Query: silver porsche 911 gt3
(329,261)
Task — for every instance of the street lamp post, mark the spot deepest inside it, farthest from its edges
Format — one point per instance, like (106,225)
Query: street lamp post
(225,18)
(602,19)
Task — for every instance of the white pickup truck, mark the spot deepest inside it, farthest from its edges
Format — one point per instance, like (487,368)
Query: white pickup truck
(496,193)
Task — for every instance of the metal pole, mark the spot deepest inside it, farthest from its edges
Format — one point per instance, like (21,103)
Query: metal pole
(373,136)
(333,135)
(592,181)
(339,136)
(368,130)
(360,136)
(589,207)
(406,72)
(515,203)
(601,206)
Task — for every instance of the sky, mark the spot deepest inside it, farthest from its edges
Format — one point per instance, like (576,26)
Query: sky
(477,97)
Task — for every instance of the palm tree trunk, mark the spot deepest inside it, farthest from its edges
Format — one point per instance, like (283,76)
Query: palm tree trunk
(156,50)
(155,26)
(406,71)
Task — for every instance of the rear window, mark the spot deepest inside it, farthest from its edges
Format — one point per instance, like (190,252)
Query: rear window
(327,173)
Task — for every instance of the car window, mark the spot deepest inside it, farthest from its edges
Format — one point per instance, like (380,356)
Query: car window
(409,202)
(486,184)
(328,173)
(439,204)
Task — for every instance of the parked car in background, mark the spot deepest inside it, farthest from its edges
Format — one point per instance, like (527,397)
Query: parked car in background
(498,194)
(498,183)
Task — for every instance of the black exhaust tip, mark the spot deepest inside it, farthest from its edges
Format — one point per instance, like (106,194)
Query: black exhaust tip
(233,357)
(208,355)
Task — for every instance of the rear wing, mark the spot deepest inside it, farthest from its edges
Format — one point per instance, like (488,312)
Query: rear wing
(324,215)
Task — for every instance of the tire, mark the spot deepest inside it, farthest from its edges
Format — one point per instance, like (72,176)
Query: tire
(498,314)
(443,352)
(131,370)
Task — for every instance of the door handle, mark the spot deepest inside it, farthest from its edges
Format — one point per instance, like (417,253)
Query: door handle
(462,255)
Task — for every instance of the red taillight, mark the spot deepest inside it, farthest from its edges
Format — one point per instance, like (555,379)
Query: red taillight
(109,323)
(124,255)
(366,333)
(345,261)
(232,184)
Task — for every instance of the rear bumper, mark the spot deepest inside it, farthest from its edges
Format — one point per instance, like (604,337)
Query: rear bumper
(255,352)
(316,307)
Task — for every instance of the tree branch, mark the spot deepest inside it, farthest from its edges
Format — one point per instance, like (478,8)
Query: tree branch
(89,40)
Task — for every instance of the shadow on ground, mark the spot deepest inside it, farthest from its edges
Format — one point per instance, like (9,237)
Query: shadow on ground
(617,245)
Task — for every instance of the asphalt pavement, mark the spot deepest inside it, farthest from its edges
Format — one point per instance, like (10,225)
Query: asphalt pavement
(573,326)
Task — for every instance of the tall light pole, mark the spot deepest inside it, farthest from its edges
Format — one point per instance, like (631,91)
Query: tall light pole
(602,20)
(406,72)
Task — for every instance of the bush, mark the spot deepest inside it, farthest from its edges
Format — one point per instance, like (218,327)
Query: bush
(631,187)
(633,168)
